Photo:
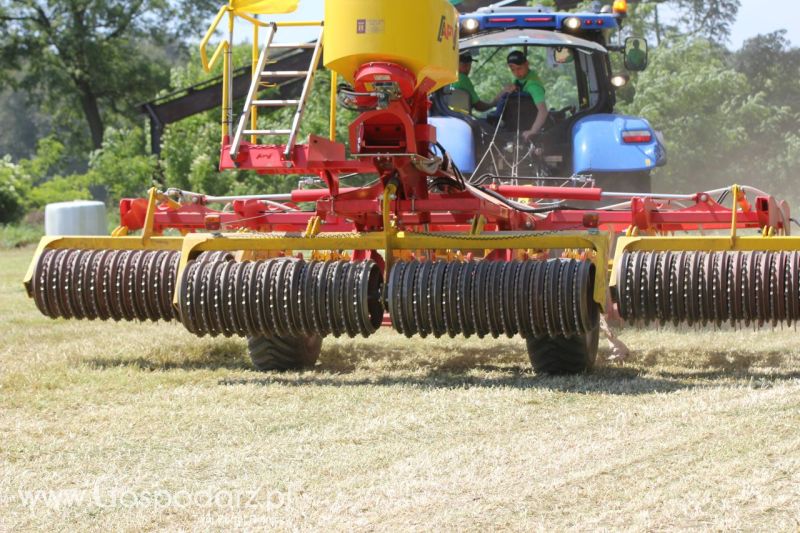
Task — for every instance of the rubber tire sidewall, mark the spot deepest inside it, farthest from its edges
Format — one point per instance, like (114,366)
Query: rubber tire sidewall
(284,353)
(564,356)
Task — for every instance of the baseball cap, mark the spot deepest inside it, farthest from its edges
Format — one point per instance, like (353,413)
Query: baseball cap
(465,57)
(517,58)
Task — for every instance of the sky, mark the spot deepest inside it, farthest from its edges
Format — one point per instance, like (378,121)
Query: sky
(308,10)
(760,16)
(755,17)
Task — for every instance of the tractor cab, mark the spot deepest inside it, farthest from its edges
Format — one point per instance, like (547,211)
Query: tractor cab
(569,55)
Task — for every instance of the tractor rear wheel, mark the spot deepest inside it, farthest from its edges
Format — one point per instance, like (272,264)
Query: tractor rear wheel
(284,353)
(562,356)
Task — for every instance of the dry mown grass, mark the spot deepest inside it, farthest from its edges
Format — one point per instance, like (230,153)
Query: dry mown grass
(146,427)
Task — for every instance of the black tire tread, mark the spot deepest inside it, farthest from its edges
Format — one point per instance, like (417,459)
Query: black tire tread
(284,353)
(564,356)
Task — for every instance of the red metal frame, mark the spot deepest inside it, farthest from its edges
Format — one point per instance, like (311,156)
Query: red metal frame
(360,209)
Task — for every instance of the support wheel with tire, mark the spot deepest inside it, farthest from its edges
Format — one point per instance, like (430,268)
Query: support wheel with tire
(563,356)
(284,353)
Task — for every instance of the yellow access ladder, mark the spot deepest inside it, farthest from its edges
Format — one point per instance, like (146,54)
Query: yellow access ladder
(261,75)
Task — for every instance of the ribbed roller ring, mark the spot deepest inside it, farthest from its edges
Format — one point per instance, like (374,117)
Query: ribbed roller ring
(760,287)
(532,298)
(281,297)
(116,284)
(451,295)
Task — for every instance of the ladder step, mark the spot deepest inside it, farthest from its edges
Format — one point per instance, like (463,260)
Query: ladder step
(275,103)
(284,74)
(267,132)
(292,45)
(252,102)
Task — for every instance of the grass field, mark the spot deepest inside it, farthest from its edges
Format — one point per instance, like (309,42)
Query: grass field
(126,427)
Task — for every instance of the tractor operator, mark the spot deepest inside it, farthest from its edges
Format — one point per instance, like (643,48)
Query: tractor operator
(528,82)
(465,84)
(636,58)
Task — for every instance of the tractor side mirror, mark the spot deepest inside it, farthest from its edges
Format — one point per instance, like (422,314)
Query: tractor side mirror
(635,54)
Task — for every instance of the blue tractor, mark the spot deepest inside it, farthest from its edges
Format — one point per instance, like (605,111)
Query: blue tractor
(581,136)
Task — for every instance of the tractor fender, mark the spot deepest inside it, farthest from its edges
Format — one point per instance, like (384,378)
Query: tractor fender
(457,138)
(598,145)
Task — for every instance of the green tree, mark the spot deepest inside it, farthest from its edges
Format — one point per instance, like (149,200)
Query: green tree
(121,165)
(99,56)
(32,183)
(19,141)
(711,19)
(12,190)
(718,129)
(773,67)
(58,189)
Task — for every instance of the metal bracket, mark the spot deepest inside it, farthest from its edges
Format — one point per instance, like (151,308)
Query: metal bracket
(313,227)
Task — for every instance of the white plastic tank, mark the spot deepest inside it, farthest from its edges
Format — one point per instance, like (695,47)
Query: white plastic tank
(80,217)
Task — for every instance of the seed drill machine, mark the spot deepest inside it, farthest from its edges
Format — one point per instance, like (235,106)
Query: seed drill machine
(423,247)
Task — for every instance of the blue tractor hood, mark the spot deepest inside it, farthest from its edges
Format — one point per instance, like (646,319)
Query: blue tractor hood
(598,145)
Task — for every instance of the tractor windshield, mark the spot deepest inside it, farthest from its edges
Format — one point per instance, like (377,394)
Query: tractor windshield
(490,73)
(572,71)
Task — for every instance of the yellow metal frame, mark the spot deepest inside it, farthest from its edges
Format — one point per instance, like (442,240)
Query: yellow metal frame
(224,49)
(392,239)
(208,65)
(334,83)
(754,243)
(99,243)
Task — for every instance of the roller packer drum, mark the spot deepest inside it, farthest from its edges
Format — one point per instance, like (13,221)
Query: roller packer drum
(702,288)
(106,284)
(534,299)
(288,297)
(282,297)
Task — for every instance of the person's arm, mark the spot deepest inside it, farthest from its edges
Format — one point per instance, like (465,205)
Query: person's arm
(541,118)
(508,89)
(490,105)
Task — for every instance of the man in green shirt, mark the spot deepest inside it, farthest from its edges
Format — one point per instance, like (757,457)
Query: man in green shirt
(465,84)
(636,59)
(528,82)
